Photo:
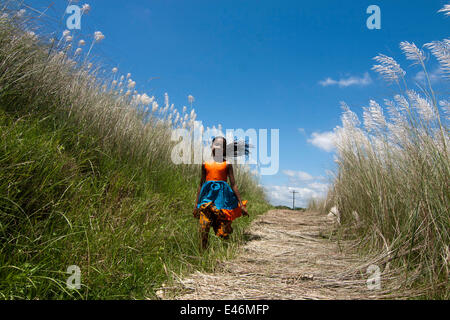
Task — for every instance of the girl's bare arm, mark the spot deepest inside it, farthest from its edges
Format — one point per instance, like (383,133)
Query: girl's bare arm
(202,181)
(234,187)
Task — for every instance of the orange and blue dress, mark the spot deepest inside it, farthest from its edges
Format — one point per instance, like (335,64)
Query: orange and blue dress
(218,205)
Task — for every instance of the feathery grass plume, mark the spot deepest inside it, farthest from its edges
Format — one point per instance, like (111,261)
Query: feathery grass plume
(349,119)
(445,105)
(398,119)
(154,106)
(412,52)
(388,68)
(166,99)
(85,8)
(373,117)
(441,51)
(146,100)
(445,9)
(131,84)
(20,13)
(98,36)
(191,100)
(422,106)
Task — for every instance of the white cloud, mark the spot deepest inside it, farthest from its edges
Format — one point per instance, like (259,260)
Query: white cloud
(435,76)
(347,82)
(298,175)
(318,186)
(325,140)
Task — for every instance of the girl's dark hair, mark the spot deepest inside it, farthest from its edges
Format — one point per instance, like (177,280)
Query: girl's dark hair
(235,148)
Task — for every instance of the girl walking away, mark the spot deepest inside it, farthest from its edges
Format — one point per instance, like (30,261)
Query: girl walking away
(219,203)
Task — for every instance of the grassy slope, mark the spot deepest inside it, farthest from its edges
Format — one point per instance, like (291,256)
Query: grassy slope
(69,198)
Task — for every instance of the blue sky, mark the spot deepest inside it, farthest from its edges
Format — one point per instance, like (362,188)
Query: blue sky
(260,64)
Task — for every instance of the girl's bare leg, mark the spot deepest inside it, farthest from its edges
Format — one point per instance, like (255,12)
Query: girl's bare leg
(204,227)
(204,239)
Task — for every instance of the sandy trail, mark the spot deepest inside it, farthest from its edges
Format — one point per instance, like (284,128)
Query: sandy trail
(288,256)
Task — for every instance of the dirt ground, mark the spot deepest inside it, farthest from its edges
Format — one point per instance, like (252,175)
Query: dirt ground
(289,255)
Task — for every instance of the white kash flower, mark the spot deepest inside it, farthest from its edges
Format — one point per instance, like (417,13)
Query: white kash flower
(412,52)
(446,9)
(402,102)
(388,68)
(373,116)
(349,118)
(423,106)
(31,34)
(145,99)
(85,8)
(166,99)
(81,43)
(154,106)
(20,13)
(445,105)
(98,36)
(441,50)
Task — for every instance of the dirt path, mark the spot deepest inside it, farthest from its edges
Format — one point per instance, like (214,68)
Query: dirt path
(288,256)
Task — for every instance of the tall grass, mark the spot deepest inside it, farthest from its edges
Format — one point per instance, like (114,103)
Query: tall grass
(86,179)
(394,171)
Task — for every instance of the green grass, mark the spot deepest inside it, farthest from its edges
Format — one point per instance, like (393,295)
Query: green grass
(394,171)
(84,181)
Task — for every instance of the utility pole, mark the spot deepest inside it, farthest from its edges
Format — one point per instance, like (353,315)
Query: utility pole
(293,198)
